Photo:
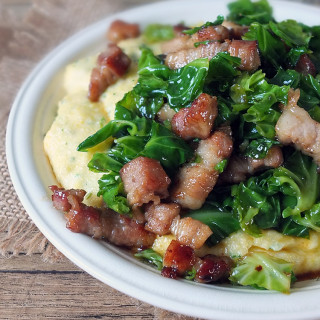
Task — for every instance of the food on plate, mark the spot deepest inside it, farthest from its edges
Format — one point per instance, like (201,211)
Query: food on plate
(197,147)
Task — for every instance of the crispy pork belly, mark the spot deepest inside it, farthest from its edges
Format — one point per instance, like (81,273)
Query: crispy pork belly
(196,180)
(178,259)
(213,268)
(159,217)
(247,51)
(295,126)
(144,181)
(100,224)
(240,168)
(120,30)
(184,41)
(111,65)
(190,232)
(197,120)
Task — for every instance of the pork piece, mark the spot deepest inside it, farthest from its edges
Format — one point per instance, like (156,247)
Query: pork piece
(247,51)
(120,30)
(144,181)
(165,113)
(60,197)
(190,232)
(111,65)
(100,224)
(159,217)
(240,168)
(184,41)
(197,120)
(196,180)
(295,126)
(236,31)
(178,259)
(213,268)
(306,66)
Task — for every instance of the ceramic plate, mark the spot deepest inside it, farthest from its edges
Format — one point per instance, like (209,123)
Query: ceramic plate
(32,114)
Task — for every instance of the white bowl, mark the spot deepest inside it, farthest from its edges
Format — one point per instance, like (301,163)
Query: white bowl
(33,112)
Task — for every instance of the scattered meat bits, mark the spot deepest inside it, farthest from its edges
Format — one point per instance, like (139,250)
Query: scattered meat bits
(213,268)
(197,120)
(144,181)
(111,65)
(179,257)
(121,30)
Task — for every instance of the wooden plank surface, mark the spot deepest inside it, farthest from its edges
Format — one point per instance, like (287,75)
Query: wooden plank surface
(34,289)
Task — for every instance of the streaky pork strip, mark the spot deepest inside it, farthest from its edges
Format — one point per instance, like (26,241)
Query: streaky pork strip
(144,181)
(236,31)
(184,41)
(247,51)
(295,126)
(240,168)
(197,120)
(98,223)
(111,65)
(196,180)
(121,30)
(305,65)
(159,217)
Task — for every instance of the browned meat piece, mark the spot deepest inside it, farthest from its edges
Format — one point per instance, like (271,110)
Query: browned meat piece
(190,232)
(165,113)
(197,120)
(111,65)
(144,181)
(295,126)
(247,51)
(196,180)
(179,59)
(159,217)
(183,41)
(306,66)
(101,224)
(179,258)
(120,30)
(213,268)
(240,168)
(60,197)
(236,31)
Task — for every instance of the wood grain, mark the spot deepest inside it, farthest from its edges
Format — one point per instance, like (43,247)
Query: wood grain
(33,289)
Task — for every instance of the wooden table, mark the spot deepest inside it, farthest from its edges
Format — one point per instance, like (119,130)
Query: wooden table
(34,289)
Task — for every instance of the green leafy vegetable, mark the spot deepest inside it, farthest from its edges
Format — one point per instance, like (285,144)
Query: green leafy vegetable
(150,256)
(298,179)
(262,270)
(245,12)
(158,32)
(258,149)
(111,189)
